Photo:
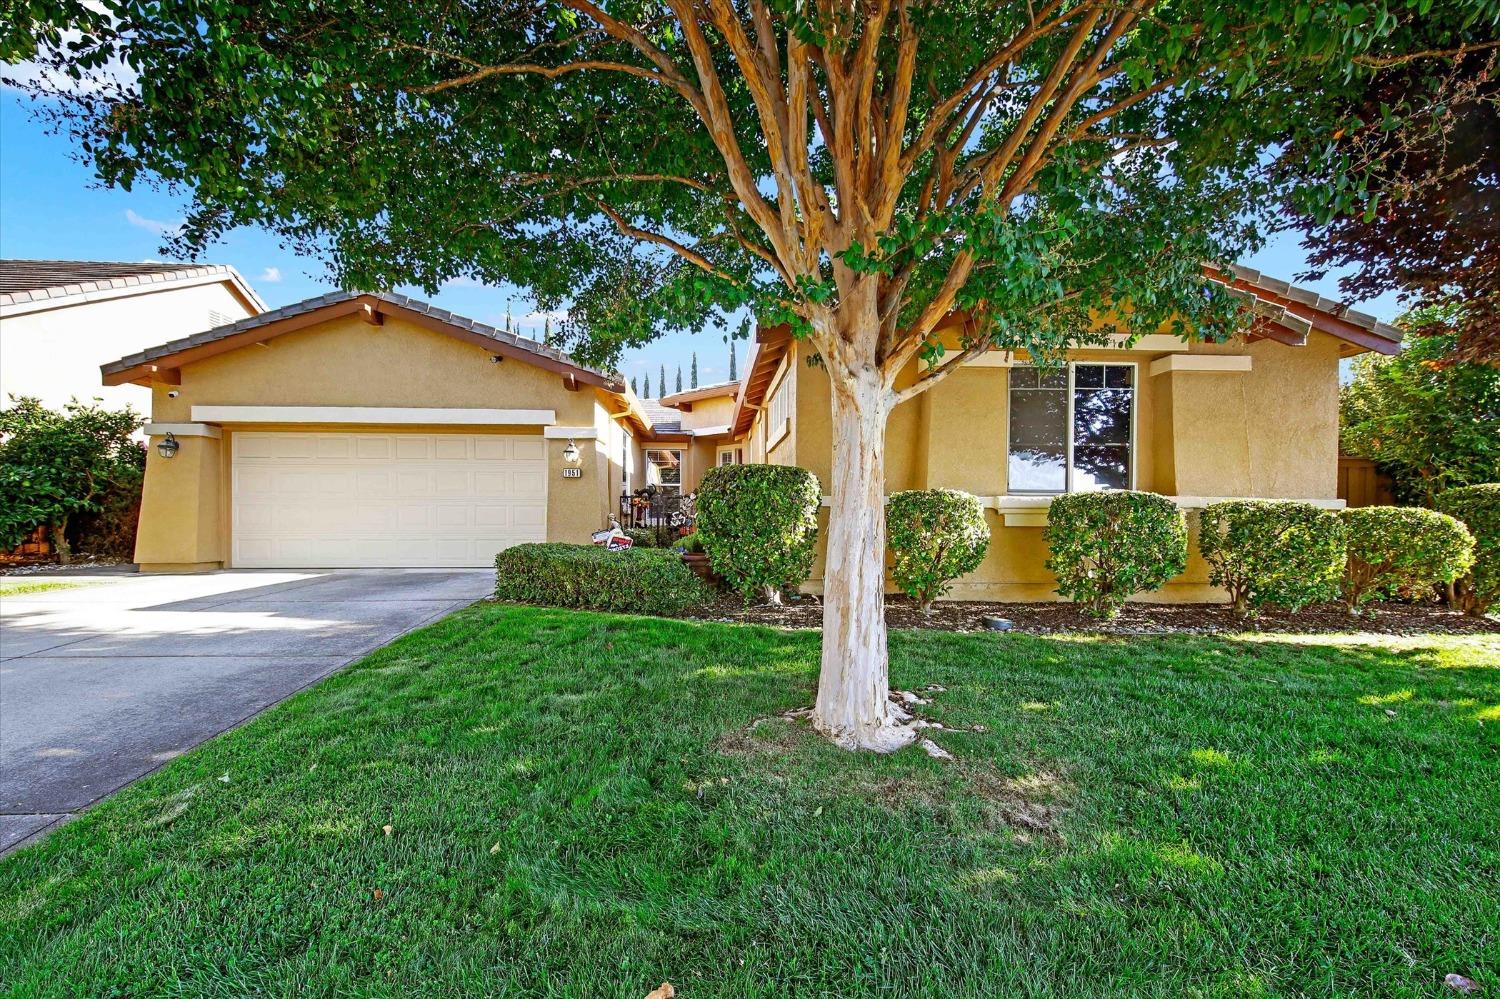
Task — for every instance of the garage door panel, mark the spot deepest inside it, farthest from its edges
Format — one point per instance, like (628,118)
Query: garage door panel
(329,500)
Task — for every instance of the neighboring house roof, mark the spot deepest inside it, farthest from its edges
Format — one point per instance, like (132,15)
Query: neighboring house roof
(28,286)
(372,306)
(664,420)
(721,390)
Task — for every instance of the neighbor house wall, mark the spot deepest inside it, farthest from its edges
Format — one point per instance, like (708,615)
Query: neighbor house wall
(348,362)
(55,355)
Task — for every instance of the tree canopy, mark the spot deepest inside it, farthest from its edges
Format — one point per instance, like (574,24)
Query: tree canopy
(654,165)
(1423,153)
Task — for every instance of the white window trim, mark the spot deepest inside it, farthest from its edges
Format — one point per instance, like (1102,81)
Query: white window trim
(777,428)
(1135,415)
(681,468)
(724,449)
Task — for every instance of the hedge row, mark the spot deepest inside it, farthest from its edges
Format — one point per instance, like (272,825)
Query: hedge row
(637,580)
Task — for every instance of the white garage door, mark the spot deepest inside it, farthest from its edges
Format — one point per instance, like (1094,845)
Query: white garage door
(328,500)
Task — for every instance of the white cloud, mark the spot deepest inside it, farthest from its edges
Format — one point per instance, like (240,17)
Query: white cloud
(271,275)
(559,316)
(156,226)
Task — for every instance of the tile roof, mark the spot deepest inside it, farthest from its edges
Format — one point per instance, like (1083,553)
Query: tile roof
(336,298)
(1310,298)
(664,419)
(24,281)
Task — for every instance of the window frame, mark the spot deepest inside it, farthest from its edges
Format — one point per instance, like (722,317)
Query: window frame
(681,469)
(1135,409)
(735,451)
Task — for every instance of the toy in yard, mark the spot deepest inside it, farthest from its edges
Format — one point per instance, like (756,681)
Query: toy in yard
(612,538)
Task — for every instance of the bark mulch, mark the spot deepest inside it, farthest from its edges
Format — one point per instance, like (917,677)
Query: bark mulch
(1392,618)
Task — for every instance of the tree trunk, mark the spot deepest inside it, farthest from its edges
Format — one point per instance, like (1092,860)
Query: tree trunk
(853,706)
(60,542)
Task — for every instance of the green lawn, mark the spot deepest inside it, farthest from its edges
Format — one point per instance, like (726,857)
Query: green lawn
(20,587)
(578,808)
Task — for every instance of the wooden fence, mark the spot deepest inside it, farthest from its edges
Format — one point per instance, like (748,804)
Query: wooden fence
(1361,484)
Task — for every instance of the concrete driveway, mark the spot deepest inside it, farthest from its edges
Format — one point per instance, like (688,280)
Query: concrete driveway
(106,682)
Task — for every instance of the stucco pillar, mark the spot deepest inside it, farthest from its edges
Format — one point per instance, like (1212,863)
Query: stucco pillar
(181,524)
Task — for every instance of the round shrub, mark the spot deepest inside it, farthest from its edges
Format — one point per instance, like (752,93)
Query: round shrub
(759,526)
(1396,546)
(1278,553)
(935,536)
(643,537)
(636,580)
(1105,546)
(1478,507)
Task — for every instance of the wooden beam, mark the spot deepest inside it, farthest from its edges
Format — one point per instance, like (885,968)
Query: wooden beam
(371,314)
(167,376)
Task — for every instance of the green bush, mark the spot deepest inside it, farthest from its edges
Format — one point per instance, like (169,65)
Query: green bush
(642,537)
(935,536)
(1478,507)
(1278,553)
(637,580)
(1105,546)
(1401,546)
(689,544)
(759,526)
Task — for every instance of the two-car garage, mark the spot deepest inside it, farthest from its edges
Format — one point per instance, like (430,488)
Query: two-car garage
(320,500)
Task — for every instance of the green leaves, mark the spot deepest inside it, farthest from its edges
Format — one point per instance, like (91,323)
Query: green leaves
(935,536)
(53,465)
(758,524)
(1272,553)
(1105,546)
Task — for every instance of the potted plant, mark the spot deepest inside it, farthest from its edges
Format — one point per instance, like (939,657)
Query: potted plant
(692,554)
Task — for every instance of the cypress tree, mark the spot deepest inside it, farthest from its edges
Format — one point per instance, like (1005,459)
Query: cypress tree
(693,373)
(661,382)
(733,374)
(679,379)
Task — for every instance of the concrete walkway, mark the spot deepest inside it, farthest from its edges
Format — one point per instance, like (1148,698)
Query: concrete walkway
(106,682)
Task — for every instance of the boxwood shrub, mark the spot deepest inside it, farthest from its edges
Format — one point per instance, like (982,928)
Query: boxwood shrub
(1105,546)
(1401,546)
(935,536)
(637,580)
(759,526)
(1478,507)
(1278,553)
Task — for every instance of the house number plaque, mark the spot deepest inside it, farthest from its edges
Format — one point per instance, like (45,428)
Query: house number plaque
(572,473)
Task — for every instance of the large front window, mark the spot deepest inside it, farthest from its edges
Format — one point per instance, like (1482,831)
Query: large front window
(664,469)
(1070,428)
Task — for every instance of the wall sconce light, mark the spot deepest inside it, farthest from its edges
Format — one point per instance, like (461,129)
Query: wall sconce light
(168,446)
(571,455)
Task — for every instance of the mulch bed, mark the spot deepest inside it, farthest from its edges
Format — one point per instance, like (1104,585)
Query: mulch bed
(80,563)
(1135,619)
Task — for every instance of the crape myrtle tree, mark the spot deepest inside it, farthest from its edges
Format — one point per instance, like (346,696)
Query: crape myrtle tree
(870,174)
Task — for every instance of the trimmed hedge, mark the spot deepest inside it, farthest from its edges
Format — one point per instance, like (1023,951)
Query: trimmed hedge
(637,580)
(643,537)
(935,536)
(1478,507)
(1105,546)
(759,525)
(1401,546)
(1273,552)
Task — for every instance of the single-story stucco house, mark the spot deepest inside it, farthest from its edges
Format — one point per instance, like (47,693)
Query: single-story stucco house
(375,430)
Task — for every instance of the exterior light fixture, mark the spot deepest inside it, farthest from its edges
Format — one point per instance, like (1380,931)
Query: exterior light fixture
(571,455)
(168,446)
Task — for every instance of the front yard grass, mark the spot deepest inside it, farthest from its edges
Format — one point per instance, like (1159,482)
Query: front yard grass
(579,805)
(21,587)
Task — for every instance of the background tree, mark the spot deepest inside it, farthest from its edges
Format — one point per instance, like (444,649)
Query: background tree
(1430,426)
(679,379)
(693,372)
(1421,147)
(734,375)
(661,382)
(633,389)
(869,173)
(54,466)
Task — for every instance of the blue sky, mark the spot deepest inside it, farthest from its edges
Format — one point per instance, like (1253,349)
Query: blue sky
(50,207)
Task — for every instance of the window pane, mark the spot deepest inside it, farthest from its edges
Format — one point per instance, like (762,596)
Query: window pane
(1038,435)
(1100,466)
(1022,377)
(1101,416)
(664,468)
(1088,375)
(1101,427)
(1053,377)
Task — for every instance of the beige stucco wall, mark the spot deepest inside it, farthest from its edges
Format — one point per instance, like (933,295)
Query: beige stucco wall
(1268,432)
(185,516)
